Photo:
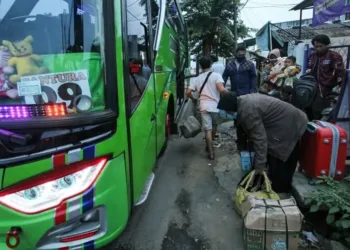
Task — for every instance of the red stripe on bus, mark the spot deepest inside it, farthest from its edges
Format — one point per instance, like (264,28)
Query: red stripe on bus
(60,216)
(59,160)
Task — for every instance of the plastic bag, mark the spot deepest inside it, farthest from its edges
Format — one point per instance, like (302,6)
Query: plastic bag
(247,188)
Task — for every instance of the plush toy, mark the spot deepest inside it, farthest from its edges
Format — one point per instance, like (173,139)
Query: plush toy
(25,62)
(6,88)
(5,69)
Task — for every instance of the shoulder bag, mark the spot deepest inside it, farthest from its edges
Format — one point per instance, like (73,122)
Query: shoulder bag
(192,127)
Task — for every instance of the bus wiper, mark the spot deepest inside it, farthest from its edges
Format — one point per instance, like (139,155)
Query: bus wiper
(14,138)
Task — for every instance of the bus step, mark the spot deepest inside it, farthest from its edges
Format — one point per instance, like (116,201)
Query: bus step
(146,190)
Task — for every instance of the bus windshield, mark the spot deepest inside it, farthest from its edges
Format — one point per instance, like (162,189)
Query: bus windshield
(51,58)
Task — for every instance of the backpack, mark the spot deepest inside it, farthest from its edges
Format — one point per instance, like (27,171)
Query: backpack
(304,91)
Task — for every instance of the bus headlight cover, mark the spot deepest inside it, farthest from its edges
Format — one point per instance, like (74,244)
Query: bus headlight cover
(48,190)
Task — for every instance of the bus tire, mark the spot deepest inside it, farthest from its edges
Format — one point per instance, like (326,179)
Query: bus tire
(168,125)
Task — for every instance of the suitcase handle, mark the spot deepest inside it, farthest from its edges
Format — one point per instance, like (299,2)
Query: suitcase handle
(312,127)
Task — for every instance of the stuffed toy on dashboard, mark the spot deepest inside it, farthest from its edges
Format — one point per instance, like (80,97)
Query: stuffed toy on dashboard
(6,88)
(5,69)
(25,62)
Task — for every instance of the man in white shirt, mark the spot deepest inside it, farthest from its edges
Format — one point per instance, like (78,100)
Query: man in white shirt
(209,99)
(217,67)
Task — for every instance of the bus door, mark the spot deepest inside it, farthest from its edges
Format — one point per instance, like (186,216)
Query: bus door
(141,100)
(341,116)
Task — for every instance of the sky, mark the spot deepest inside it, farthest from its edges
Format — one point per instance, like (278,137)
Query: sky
(256,13)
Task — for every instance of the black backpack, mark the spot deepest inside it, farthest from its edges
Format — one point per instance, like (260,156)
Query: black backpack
(304,91)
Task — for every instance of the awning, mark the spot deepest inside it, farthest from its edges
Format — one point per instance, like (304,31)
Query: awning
(306,4)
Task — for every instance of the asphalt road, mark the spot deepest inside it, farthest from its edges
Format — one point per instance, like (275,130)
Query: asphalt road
(190,206)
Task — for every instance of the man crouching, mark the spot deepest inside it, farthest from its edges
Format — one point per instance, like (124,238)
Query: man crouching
(275,128)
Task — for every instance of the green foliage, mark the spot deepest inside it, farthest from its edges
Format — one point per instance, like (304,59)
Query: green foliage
(211,27)
(334,198)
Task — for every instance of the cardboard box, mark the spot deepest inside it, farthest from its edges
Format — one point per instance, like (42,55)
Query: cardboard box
(276,224)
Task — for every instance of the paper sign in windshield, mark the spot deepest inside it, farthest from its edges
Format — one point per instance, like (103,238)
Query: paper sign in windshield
(59,87)
(29,88)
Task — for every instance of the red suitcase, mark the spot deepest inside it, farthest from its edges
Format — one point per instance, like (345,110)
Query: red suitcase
(324,150)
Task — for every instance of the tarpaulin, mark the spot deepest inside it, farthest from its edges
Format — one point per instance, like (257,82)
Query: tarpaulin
(263,38)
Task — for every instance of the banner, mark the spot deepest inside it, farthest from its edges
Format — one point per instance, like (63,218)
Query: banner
(325,10)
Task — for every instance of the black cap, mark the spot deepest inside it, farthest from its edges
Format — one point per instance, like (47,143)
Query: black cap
(228,102)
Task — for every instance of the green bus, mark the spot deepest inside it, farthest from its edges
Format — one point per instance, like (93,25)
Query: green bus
(89,93)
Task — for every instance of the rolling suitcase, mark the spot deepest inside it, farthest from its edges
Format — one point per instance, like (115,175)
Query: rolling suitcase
(323,150)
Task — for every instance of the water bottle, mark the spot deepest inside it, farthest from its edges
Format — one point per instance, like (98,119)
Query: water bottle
(247,159)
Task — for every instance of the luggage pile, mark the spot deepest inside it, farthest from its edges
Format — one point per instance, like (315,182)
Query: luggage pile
(269,223)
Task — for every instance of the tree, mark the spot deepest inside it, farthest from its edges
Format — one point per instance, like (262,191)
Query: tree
(210,24)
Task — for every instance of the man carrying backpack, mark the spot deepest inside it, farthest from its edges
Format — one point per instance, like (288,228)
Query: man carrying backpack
(327,67)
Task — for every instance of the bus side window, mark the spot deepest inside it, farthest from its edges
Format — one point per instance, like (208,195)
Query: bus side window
(138,48)
(154,14)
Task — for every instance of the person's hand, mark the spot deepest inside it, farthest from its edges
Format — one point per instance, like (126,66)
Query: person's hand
(308,71)
(258,179)
(258,171)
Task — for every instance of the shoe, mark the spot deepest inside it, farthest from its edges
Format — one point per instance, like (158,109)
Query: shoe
(216,144)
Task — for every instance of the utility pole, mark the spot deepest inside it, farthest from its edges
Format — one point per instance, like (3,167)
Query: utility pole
(235,24)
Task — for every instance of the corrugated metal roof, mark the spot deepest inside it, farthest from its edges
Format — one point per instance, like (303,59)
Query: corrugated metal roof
(292,34)
(331,30)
